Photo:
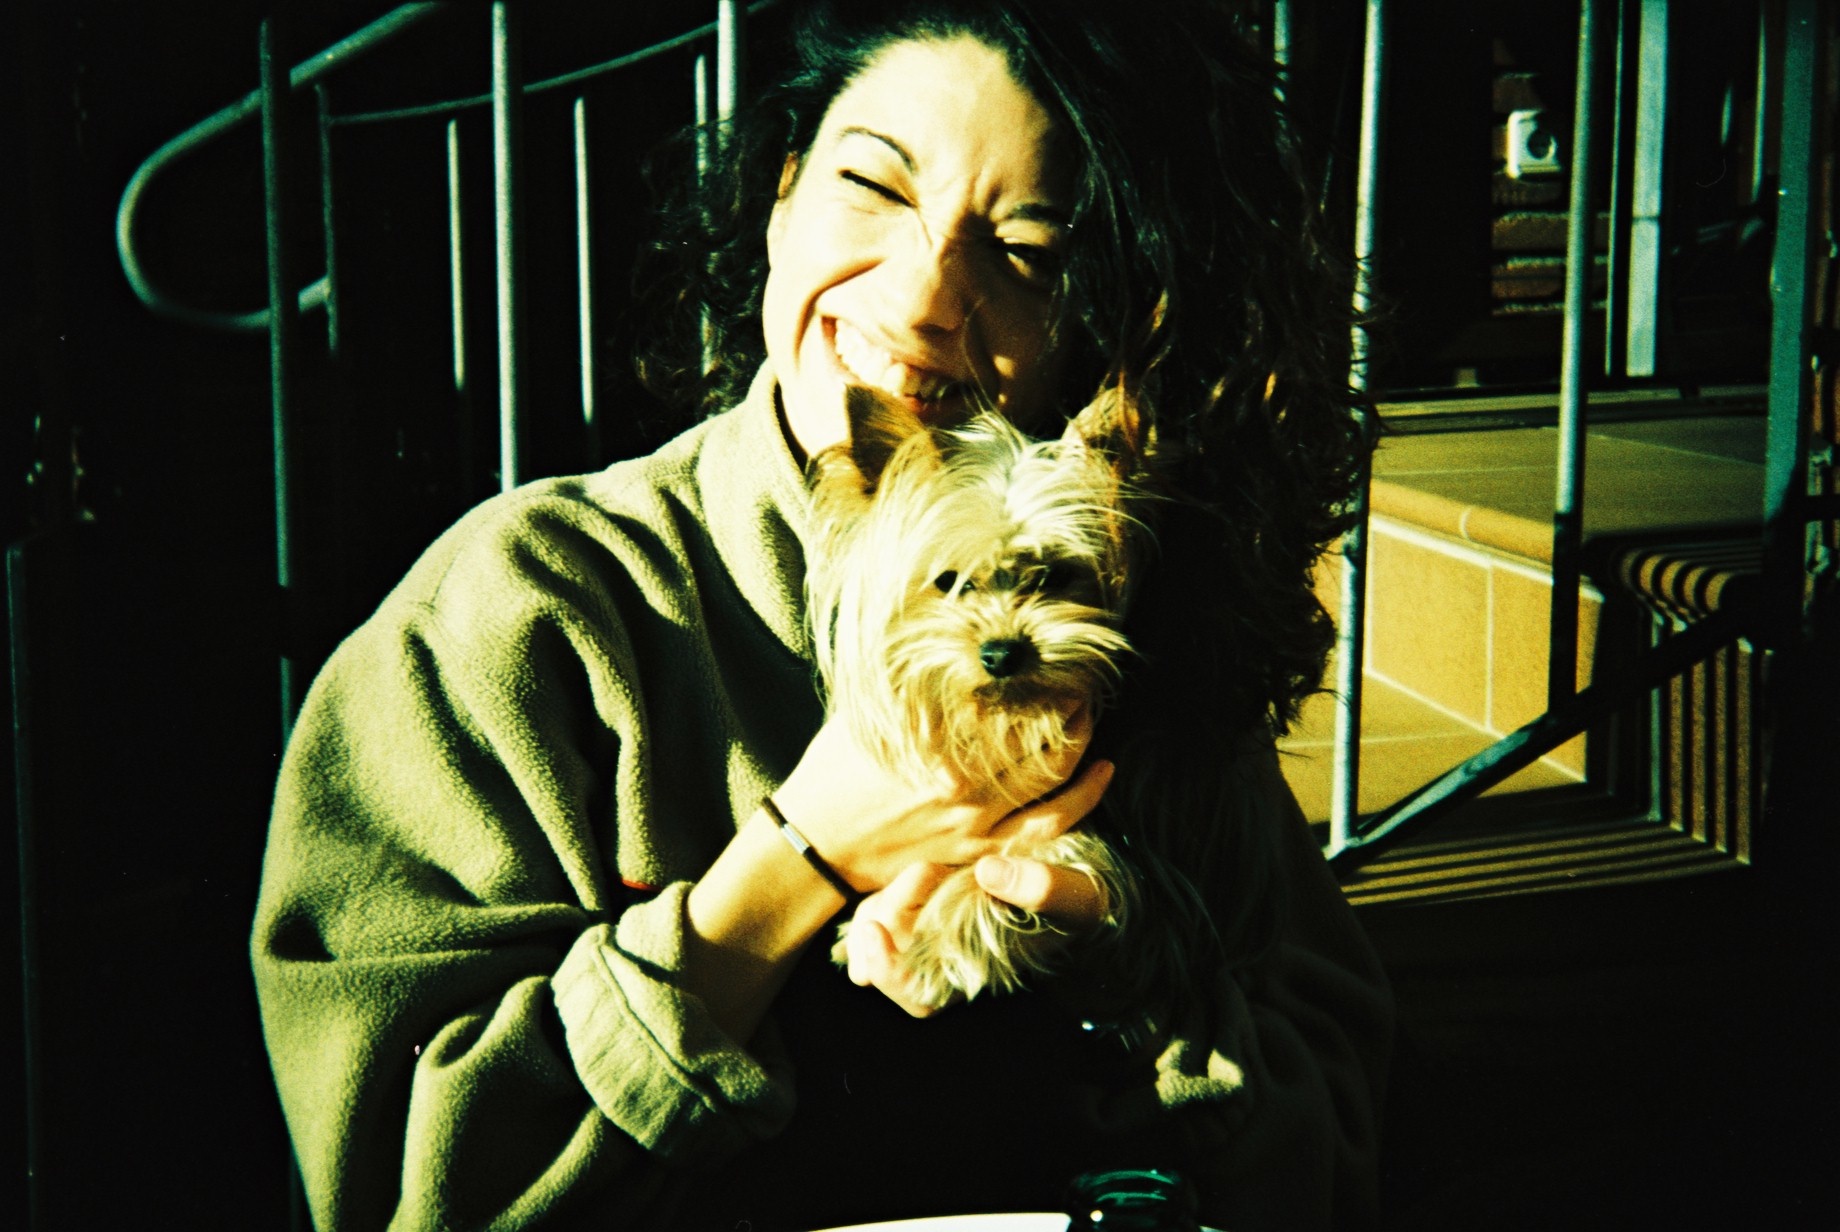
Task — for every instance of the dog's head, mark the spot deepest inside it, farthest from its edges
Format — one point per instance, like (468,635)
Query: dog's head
(969,584)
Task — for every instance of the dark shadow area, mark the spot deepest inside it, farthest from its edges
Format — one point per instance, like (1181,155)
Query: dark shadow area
(1652,1056)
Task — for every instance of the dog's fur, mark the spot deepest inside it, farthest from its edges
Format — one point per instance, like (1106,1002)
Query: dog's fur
(965,597)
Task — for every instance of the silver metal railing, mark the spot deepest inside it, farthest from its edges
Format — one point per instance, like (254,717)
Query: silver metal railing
(1789,513)
(281,317)
(1351,629)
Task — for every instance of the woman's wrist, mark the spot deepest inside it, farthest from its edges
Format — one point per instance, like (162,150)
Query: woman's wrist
(800,844)
(748,919)
(760,893)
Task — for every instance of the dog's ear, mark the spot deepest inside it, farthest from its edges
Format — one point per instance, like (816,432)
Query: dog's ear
(1112,425)
(880,423)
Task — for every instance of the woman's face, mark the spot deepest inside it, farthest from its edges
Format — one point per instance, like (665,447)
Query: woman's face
(917,248)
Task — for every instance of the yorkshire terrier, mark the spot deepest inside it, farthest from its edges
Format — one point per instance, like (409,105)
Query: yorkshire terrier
(965,598)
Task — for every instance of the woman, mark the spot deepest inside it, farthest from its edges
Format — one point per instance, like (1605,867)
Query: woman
(531,952)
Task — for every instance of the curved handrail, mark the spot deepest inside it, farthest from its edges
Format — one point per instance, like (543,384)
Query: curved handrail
(453,106)
(214,126)
(303,74)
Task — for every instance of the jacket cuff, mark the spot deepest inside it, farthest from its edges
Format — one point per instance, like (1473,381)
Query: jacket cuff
(649,1053)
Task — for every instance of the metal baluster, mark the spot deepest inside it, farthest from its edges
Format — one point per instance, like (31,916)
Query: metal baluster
(729,35)
(1645,236)
(703,152)
(1568,498)
(729,43)
(323,108)
(1345,787)
(283,330)
(1622,141)
(283,320)
(701,85)
(456,274)
(1282,35)
(1760,123)
(584,267)
(507,109)
(1791,396)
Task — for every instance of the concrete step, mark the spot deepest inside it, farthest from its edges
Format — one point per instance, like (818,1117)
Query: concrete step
(1459,605)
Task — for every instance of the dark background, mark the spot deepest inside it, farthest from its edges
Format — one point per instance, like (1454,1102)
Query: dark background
(136,481)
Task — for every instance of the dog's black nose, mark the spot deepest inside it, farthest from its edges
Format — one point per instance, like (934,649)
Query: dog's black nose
(1005,657)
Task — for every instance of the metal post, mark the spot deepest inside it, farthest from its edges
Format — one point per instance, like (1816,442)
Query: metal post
(703,153)
(507,109)
(283,331)
(700,81)
(283,320)
(1282,34)
(1344,803)
(1568,499)
(323,108)
(729,34)
(584,267)
(1791,395)
(1760,125)
(1622,141)
(456,277)
(1646,193)
(456,261)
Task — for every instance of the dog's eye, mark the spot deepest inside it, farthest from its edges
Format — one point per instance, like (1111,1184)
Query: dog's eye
(946,581)
(1065,579)
(1048,578)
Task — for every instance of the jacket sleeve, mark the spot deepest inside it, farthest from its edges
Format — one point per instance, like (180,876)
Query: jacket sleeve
(468,1028)
(1271,1087)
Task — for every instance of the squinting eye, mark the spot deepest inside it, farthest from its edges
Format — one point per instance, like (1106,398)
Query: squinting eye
(1036,264)
(879,189)
(946,581)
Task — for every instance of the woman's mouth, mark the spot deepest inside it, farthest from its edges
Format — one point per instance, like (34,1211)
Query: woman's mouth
(868,364)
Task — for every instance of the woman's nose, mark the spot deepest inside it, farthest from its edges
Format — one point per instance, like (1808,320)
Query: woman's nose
(929,288)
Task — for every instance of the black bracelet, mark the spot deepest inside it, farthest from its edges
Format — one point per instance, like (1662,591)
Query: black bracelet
(804,848)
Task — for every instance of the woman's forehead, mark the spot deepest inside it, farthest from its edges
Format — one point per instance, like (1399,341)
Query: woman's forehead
(951,107)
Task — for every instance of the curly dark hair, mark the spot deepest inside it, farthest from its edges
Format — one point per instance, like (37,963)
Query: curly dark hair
(1197,279)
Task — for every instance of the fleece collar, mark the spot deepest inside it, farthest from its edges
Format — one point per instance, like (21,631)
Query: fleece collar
(758,510)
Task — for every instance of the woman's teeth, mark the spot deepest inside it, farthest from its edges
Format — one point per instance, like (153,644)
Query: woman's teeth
(875,367)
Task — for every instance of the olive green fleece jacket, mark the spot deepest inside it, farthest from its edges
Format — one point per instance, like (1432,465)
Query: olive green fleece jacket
(581,689)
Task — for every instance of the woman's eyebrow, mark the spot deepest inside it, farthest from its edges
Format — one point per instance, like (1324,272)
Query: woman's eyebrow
(1035,211)
(1028,211)
(907,160)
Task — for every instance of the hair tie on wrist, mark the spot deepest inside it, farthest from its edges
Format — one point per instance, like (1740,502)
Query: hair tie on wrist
(804,848)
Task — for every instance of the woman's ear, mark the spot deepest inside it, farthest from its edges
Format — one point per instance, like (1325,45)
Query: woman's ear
(788,175)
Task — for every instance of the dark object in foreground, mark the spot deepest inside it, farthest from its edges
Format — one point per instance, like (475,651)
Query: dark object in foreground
(1131,1200)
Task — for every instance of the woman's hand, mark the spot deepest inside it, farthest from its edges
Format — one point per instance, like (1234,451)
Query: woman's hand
(759,904)
(882,928)
(870,823)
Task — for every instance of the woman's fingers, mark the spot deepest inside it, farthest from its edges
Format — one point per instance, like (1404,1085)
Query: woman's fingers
(1063,894)
(876,963)
(871,951)
(883,927)
(1054,815)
